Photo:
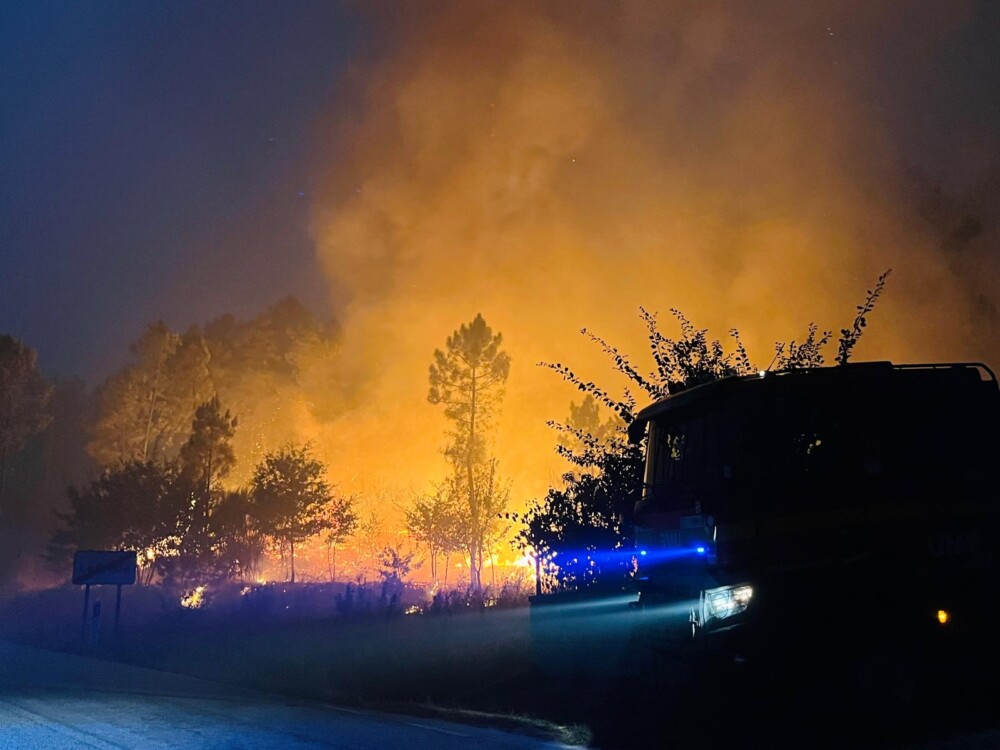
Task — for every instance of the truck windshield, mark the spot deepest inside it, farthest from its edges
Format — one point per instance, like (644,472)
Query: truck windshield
(685,456)
(779,446)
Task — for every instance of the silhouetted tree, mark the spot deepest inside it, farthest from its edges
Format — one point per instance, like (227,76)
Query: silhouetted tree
(588,520)
(141,506)
(849,336)
(395,565)
(261,368)
(239,538)
(207,456)
(801,356)
(146,409)
(467,378)
(369,542)
(292,496)
(580,534)
(340,522)
(24,394)
(37,476)
(435,521)
(586,430)
(282,359)
(678,363)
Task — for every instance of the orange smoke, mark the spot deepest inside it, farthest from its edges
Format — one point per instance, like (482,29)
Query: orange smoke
(556,165)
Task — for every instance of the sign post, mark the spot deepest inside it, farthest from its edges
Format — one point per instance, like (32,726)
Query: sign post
(86,605)
(103,567)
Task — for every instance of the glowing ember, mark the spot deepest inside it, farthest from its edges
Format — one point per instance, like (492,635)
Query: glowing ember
(194,599)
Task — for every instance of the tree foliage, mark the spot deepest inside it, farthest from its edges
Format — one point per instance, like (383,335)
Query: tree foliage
(582,529)
(170,407)
(341,523)
(435,521)
(207,457)
(482,520)
(849,336)
(688,360)
(146,408)
(240,541)
(395,565)
(139,505)
(24,395)
(282,359)
(260,368)
(467,378)
(586,435)
(580,534)
(292,496)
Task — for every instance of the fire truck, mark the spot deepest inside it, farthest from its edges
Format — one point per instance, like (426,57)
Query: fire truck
(845,518)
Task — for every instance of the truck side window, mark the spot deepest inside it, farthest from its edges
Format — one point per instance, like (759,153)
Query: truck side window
(673,444)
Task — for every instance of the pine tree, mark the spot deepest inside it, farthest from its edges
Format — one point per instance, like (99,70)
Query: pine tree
(467,378)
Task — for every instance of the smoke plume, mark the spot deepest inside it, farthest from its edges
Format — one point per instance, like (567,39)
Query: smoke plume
(556,165)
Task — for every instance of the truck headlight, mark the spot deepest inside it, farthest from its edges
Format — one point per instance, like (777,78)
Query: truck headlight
(725,601)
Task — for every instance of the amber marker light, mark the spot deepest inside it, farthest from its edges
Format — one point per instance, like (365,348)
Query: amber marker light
(943,616)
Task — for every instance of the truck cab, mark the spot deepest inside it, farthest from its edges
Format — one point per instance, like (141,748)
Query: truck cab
(849,510)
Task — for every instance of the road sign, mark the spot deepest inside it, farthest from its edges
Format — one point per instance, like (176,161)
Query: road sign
(92,567)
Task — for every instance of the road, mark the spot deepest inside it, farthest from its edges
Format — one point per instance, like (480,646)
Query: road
(51,701)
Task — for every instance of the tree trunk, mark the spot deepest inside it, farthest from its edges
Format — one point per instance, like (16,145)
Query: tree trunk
(292,557)
(474,569)
(208,490)
(331,568)
(152,404)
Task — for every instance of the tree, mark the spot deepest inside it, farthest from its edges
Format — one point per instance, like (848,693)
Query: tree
(140,505)
(467,378)
(369,543)
(24,395)
(282,359)
(395,565)
(435,521)
(849,336)
(239,539)
(678,363)
(585,429)
(588,519)
(292,496)
(146,408)
(341,521)
(483,522)
(207,456)
(580,534)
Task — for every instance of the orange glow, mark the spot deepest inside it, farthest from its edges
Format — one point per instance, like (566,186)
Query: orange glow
(554,168)
(550,169)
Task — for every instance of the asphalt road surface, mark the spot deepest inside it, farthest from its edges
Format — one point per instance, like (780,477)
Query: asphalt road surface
(51,701)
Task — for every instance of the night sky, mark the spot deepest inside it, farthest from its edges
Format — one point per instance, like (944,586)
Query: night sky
(159,159)
(156,163)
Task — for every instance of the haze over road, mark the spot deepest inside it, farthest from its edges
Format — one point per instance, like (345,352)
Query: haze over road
(54,700)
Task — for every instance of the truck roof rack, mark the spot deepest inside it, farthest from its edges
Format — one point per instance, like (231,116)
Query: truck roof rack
(984,369)
(636,429)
